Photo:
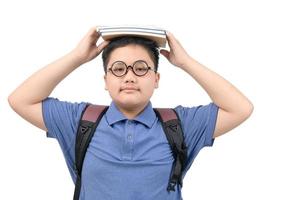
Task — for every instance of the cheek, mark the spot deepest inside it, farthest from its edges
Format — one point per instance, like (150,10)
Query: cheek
(148,87)
(112,85)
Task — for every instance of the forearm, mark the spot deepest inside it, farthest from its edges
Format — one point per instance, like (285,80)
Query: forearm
(40,85)
(222,93)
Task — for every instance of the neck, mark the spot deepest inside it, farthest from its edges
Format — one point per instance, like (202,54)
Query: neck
(131,112)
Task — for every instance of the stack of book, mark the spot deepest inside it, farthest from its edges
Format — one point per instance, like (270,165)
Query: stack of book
(156,34)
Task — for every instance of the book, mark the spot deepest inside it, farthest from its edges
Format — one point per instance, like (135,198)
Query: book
(150,32)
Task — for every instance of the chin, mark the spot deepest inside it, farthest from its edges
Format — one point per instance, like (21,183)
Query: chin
(131,103)
(128,102)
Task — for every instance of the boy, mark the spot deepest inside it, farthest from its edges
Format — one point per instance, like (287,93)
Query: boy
(129,156)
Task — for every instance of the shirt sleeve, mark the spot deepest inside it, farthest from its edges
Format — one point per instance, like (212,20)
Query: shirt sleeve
(61,119)
(198,125)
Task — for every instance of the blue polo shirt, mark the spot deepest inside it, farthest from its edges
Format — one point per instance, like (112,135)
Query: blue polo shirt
(128,159)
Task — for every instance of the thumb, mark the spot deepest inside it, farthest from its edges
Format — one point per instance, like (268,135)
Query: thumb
(102,45)
(165,53)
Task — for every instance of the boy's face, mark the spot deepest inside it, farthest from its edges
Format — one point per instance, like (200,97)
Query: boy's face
(139,88)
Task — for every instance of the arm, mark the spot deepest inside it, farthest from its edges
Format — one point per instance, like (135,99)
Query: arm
(234,107)
(26,100)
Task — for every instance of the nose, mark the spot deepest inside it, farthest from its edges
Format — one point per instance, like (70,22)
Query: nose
(130,76)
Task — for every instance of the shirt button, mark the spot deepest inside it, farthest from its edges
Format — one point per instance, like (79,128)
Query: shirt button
(129,137)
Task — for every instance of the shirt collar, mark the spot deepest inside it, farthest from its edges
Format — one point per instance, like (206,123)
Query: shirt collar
(147,116)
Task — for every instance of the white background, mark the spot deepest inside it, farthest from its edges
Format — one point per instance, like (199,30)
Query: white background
(253,44)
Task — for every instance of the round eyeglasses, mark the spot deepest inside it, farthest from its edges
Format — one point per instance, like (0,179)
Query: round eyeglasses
(139,68)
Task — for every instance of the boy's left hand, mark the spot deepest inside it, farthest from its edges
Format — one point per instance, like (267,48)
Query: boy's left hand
(177,55)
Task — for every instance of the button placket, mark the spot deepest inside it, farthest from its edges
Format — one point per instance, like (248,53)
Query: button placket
(129,137)
(130,134)
(128,150)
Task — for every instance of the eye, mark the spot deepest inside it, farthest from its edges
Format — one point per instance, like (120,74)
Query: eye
(118,69)
(140,66)
(141,69)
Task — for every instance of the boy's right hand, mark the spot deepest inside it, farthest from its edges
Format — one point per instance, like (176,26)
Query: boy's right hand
(27,99)
(87,48)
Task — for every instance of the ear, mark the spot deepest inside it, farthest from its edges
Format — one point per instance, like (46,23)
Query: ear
(105,81)
(157,78)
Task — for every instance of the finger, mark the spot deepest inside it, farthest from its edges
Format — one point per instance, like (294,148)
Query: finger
(170,38)
(173,40)
(94,33)
(102,45)
(165,53)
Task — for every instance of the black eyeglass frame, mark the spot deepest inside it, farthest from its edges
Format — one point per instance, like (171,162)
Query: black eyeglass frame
(132,68)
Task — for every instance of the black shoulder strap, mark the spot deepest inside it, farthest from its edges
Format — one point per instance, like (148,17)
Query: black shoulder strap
(172,128)
(88,123)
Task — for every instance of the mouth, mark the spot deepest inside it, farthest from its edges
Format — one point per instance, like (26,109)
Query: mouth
(128,90)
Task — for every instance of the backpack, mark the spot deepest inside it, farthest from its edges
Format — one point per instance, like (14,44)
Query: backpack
(92,115)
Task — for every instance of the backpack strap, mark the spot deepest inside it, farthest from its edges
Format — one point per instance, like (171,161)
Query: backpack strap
(92,115)
(89,120)
(172,128)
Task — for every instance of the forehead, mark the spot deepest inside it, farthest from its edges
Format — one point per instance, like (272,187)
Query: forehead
(130,54)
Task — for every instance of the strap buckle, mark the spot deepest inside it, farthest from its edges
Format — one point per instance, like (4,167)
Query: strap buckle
(171,186)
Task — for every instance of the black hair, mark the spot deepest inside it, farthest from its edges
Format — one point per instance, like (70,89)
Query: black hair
(150,46)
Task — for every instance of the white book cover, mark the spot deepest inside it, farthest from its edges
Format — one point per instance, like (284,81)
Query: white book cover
(150,32)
